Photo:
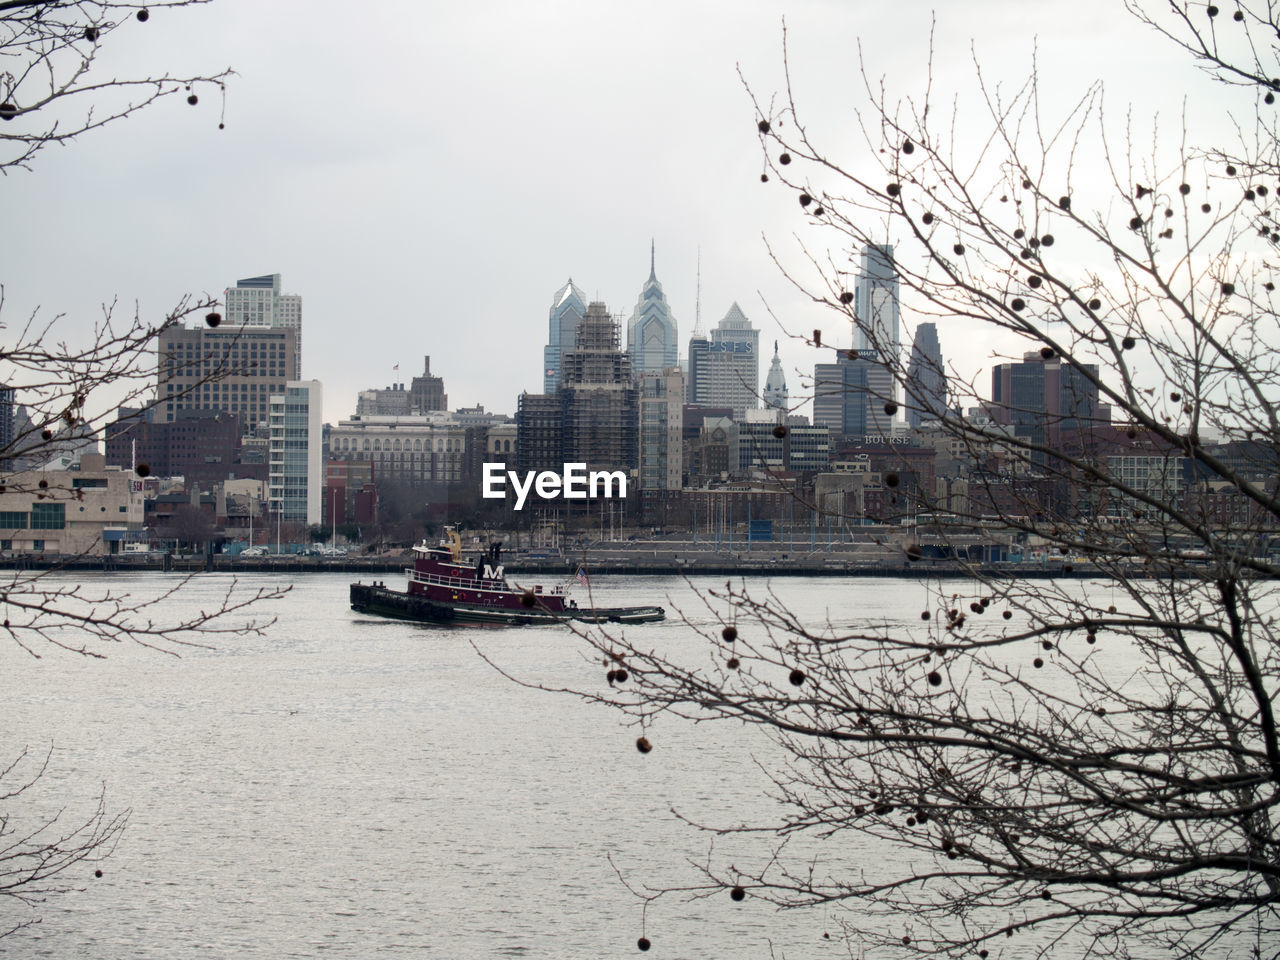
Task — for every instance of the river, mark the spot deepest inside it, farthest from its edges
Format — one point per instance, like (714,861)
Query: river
(344,786)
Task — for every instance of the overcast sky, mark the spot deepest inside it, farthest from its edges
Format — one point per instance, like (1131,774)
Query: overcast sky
(426,175)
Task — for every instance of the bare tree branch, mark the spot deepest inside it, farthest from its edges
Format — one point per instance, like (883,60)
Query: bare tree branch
(50,92)
(1091,773)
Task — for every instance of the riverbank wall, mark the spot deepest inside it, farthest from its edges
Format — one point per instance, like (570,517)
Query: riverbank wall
(552,568)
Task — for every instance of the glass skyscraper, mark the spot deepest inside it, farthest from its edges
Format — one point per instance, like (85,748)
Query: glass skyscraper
(926,378)
(875,304)
(568,307)
(651,334)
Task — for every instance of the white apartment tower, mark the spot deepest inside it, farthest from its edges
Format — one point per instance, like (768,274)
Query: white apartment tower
(295,468)
(258,302)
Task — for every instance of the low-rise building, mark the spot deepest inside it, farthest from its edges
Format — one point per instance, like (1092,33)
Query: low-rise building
(92,511)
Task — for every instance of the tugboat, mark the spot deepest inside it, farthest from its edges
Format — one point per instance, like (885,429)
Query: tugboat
(443,588)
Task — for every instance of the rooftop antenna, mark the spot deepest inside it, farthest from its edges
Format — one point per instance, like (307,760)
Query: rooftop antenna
(697,303)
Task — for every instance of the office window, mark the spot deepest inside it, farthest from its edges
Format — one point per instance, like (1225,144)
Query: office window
(48,516)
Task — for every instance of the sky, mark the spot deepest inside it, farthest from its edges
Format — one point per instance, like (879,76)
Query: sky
(427,175)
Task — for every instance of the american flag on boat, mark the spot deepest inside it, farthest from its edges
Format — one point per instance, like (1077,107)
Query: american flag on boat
(582,576)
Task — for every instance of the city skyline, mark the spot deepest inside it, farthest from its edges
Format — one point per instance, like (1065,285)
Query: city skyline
(255,305)
(405,202)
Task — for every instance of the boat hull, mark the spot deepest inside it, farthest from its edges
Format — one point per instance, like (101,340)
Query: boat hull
(380,601)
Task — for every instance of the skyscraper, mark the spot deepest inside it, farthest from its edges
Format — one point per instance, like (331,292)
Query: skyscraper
(567,309)
(1044,399)
(926,377)
(258,302)
(849,396)
(592,417)
(775,384)
(598,396)
(539,433)
(730,374)
(875,304)
(696,384)
(651,334)
(7,431)
(661,428)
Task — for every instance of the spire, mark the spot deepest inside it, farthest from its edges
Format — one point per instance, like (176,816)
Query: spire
(651,331)
(697,301)
(775,385)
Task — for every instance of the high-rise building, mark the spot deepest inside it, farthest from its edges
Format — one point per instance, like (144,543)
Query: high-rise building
(258,302)
(850,396)
(661,431)
(697,382)
(296,479)
(593,417)
(926,378)
(598,396)
(7,426)
(775,384)
(829,392)
(651,334)
(875,304)
(539,433)
(731,372)
(426,392)
(1044,399)
(567,309)
(233,369)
